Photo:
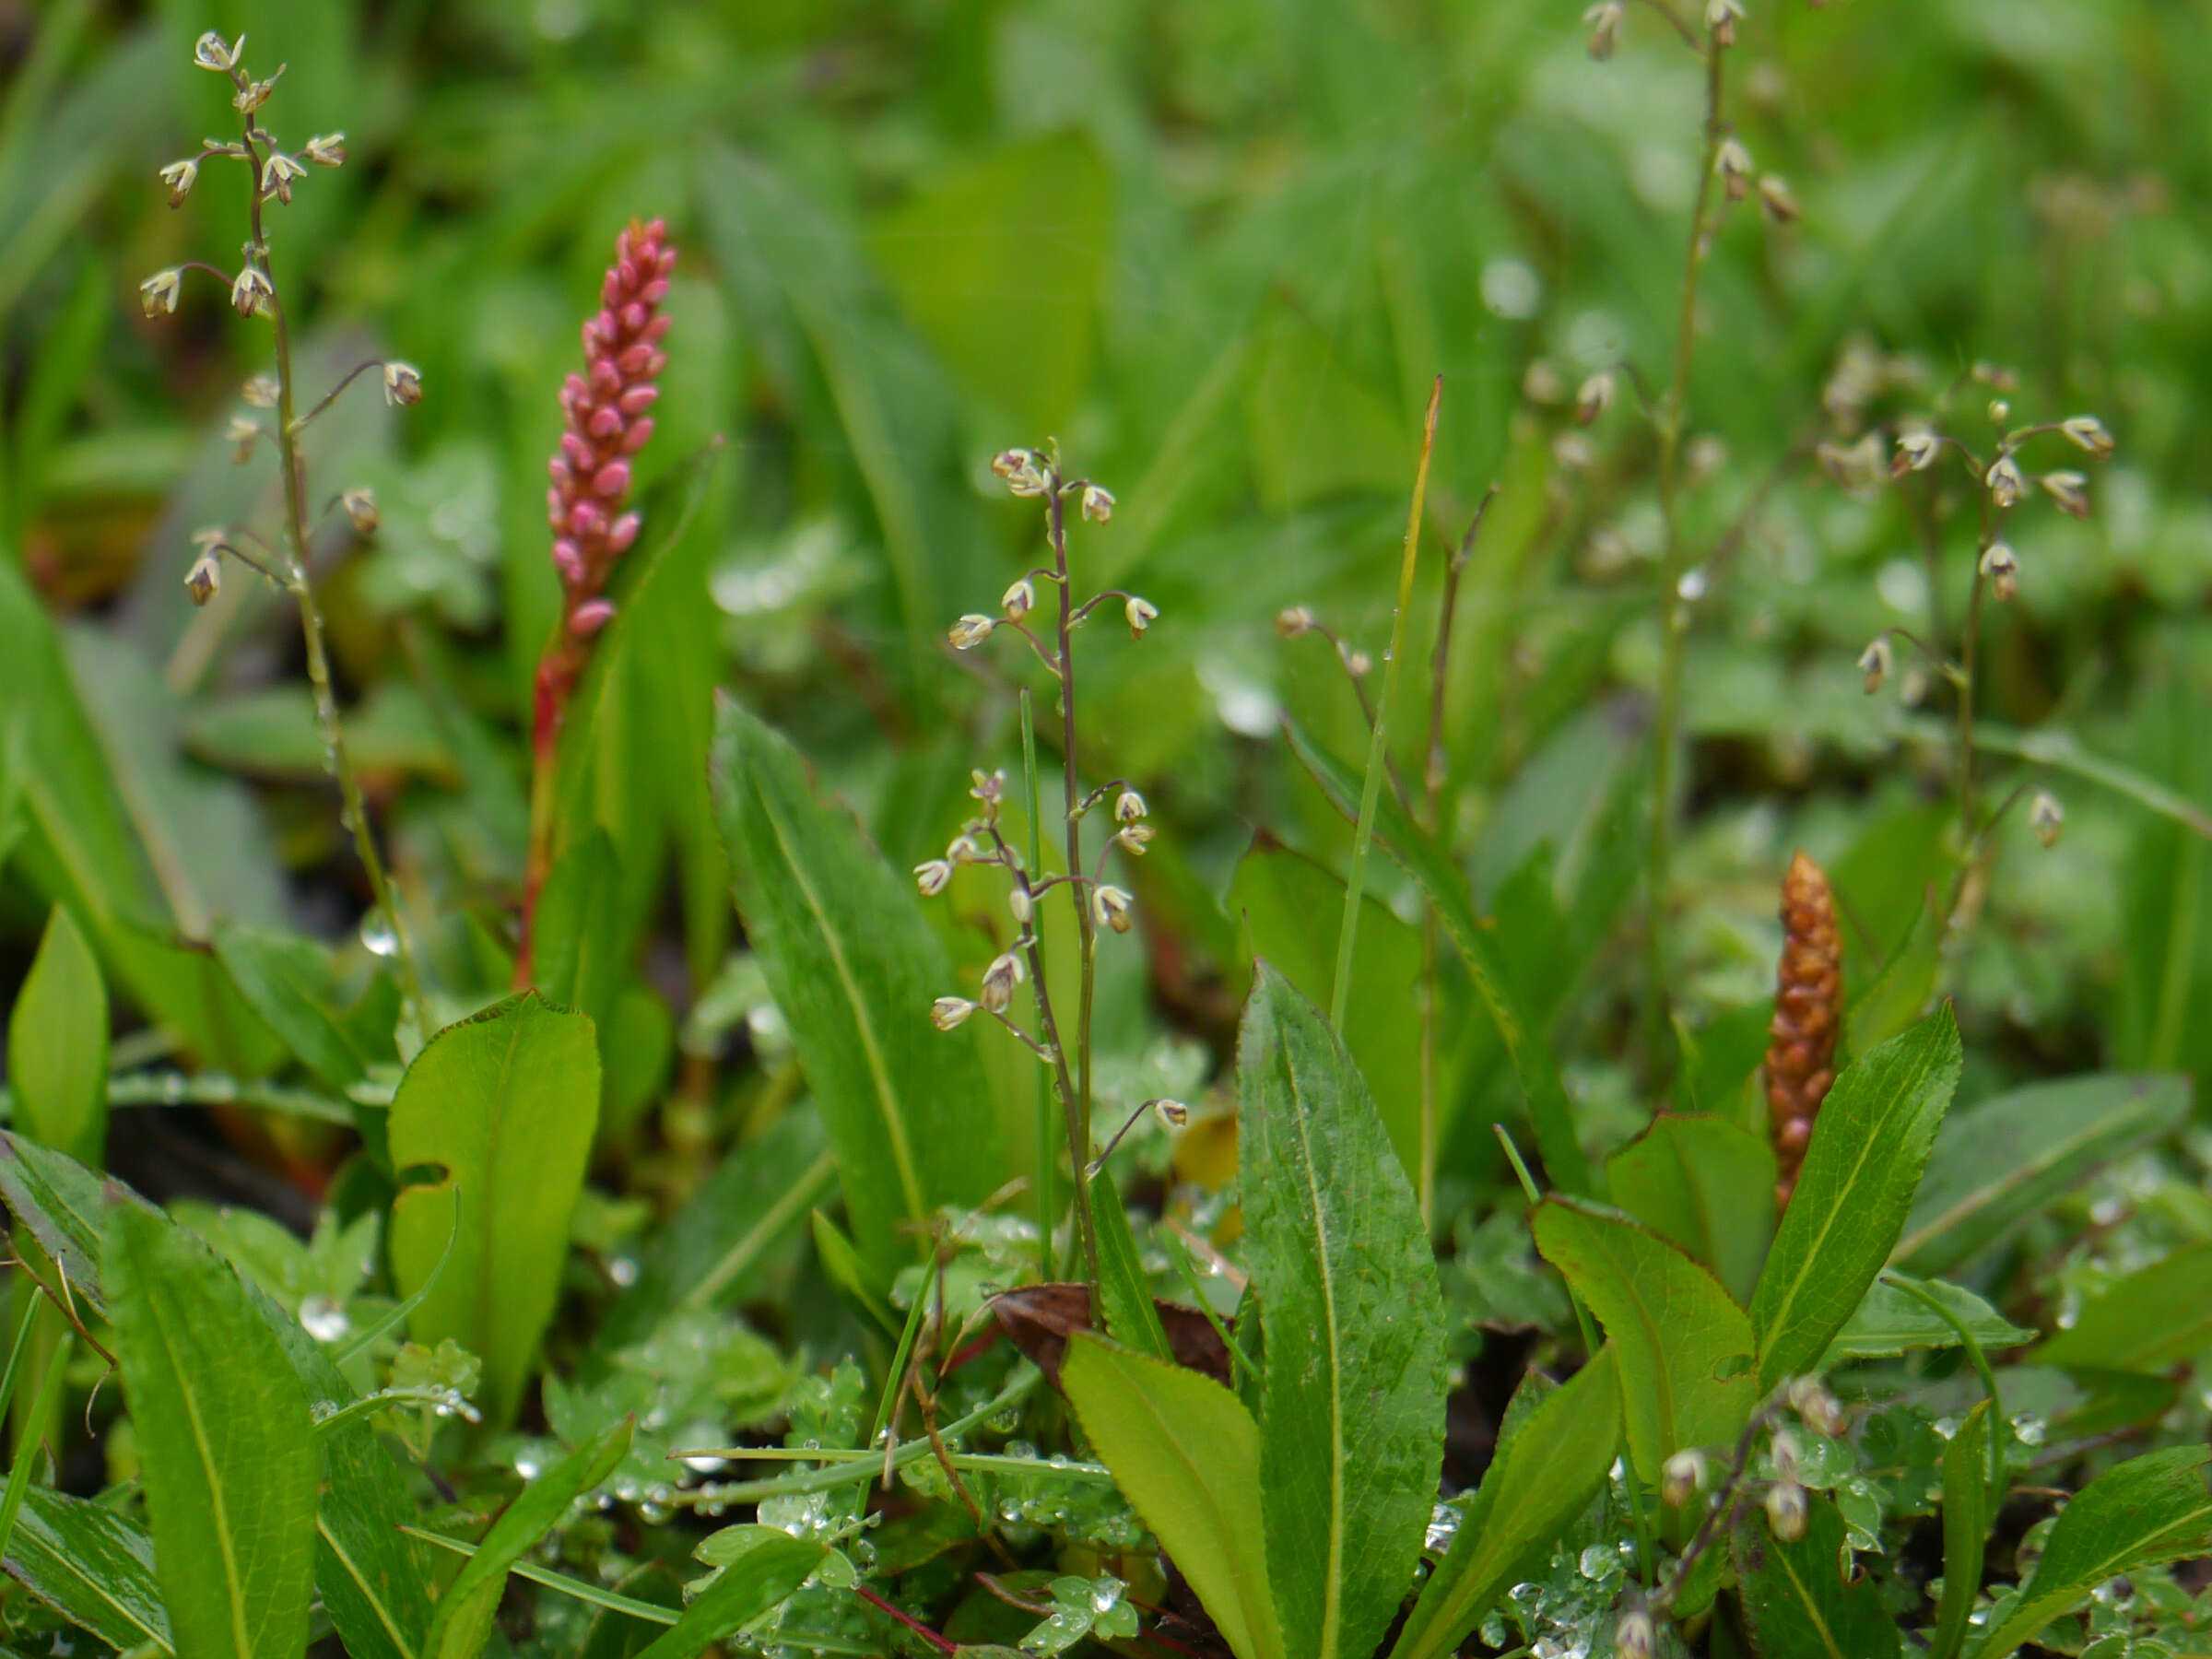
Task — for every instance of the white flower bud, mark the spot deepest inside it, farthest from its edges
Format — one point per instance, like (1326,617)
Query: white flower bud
(1916,452)
(1721,18)
(402,384)
(158,292)
(1112,907)
(2046,818)
(1129,807)
(1777,198)
(1875,662)
(1787,1511)
(250,291)
(1018,600)
(205,580)
(328,149)
(262,392)
(1633,1636)
(1173,1113)
(1573,452)
(210,52)
(1999,412)
(1732,161)
(180,176)
(1293,620)
(1541,384)
(2086,432)
(1135,838)
(2002,565)
(2067,492)
(1681,1477)
(1097,503)
(2006,484)
(970,630)
(1020,904)
(1816,1407)
(361,509)
(243,434)
(948,1012)
(1593,397)
(276,175)
(1142,614)
(999,980)
(1604,21)
(1356,662)
(1018,468)
(932,876)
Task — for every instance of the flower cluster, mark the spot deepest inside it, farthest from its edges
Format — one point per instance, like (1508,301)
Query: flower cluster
(1808,1016)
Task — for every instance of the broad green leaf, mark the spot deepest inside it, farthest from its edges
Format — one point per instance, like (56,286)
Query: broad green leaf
(1131,1319)
(1187,1455)
(840,1260)
(1684,1346)
(463,1620)
(226,1446)
(1899,994)
(60,1202)
(749,1587)
(1803,1599)
(1704,1183)
(971,236)
(1526,1043)
(92,1566)
(1352,1405)
(57,1043)
(854,966)
(1549,1464)
(1969,1511)
(2150,1320)
(1274,897)
(289,981)
(712,1252)
(1869,1144)
(2149,1510)
(2010,1157)
(1297,459)
(577,932)
(1890,1321)
(504,1105)
(273,733)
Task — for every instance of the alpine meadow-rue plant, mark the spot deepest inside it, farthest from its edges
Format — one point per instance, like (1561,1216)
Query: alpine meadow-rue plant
(270,173)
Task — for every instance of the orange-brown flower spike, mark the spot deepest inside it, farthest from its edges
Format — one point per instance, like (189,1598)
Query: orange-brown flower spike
(1808,1015)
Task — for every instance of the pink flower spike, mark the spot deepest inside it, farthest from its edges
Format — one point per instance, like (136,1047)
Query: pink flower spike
(605,424)
(622,532)
(634,439)
(611,481)
(590,616)
(568,558)
(638,399)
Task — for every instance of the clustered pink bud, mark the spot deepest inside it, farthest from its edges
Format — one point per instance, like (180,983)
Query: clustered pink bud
(604,408)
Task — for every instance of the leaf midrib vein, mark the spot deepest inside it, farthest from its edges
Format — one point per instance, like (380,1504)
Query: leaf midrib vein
(1332,1608)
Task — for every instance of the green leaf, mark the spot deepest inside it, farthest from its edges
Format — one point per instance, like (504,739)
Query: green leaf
(747,1588)
(273,733)
(1869,1143)
(1549,1464)
(971,236)
(1704,1183)
(92,1566)
(1801,1598)
(1352,1403)
(1526,1044)
(1187,1455)
(503,1104)
(60,1202)
(57,1043)
(1131,1319)
(712,1252)
(1969,1512)
(226,1446)
(2011,1158)
(577,938)
(1890,1321)
(1684,1346)
(854,966)
(463,1621)
(1899,994)
(289,982)
(2152,1319)
(2151,1508)
(840,1260)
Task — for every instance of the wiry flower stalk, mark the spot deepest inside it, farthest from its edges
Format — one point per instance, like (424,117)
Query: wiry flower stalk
(605,409)
(1808,1016)
(270,175)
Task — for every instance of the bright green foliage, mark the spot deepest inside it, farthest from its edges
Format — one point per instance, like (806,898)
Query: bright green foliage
(463,1620)
(1352,1410)
(1869,1145)
(1125,1302)
(576,953)
(742,1591)
(57,1043)
(853,968)
(92,1566)
(1969,1507)
(228,1452)
(288,980)
(2006,1159)
(2151,1508)
(502,1106)
(1704,1183)
(1685,1348)
(1892,1321)
(58,1201)
(1548,1466)
(2154,1318)
(1188,1456)
(1805,1599)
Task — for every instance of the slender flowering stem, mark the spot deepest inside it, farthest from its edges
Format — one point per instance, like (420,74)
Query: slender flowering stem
(1673,416)
(606,424)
